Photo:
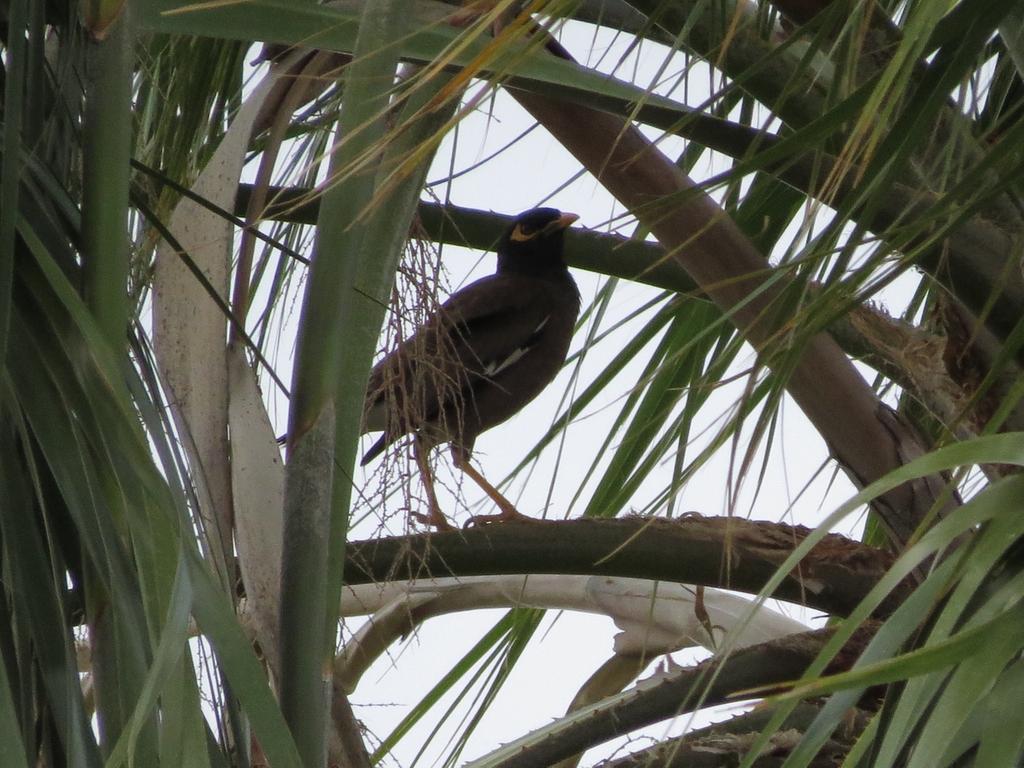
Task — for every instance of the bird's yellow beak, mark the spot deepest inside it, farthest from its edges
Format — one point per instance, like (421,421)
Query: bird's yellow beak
(562,222)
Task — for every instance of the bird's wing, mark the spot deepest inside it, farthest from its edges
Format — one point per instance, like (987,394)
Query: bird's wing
(478,330)
(495,319)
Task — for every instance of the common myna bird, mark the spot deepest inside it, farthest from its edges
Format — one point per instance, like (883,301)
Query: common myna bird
(488,351)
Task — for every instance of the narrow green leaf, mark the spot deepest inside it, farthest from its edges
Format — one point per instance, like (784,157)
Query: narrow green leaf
(993,724)
(14,94)
(12,750)
(935,656)
(216,618)
(37,599)
(173,643)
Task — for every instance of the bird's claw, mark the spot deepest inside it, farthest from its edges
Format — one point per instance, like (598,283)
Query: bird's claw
(505,516)
(434,519)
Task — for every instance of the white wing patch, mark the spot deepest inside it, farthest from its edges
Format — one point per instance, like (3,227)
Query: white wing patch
(497,366)
(494,367)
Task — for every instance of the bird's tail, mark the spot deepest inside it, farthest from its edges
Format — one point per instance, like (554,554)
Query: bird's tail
(375,450)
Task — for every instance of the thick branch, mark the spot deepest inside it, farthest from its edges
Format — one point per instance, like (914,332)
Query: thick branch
(722,552)
(911,357)
(609,254)
(715,681)
(726,743)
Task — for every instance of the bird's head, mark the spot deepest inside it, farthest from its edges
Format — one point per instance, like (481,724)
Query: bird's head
(533,244)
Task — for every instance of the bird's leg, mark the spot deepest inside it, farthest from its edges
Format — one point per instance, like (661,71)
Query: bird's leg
(508,510)
(434,517)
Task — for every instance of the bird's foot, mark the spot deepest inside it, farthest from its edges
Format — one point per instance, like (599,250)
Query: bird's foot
(507,515)
(433,519)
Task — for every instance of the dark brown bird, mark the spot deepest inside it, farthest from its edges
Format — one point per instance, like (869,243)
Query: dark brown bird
(488,351)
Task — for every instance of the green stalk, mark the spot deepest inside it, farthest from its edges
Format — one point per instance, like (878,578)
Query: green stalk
(325,333)
(105,163)
(107,133)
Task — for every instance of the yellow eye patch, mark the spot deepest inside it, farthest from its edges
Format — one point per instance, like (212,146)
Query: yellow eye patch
(519,235)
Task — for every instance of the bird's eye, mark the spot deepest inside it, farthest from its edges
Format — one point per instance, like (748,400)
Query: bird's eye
(522,232)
